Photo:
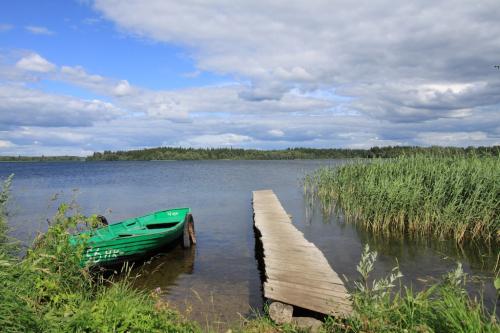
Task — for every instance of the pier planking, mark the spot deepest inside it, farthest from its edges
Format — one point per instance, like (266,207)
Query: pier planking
(297,272)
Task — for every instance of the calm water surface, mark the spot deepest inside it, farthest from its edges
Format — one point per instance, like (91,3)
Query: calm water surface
(219,279)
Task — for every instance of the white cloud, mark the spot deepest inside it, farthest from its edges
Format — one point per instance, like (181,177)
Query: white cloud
(454,88)
(20,106)
(274,114)
(5,144)
(316,73)
(360,49)
(38,30)
(123,88)
(78,75)
(475,138)
(35,63)
(62,136)
(276,132)
(292,74)
(216,140)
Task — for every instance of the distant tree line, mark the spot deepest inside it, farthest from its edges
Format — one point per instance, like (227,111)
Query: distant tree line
(178,153)
(40,158)
(172,153)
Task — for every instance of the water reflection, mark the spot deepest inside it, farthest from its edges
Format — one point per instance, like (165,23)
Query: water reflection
(212,300)
(164,269)
(421,260)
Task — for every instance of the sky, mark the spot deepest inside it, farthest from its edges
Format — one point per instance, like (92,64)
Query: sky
(83,76)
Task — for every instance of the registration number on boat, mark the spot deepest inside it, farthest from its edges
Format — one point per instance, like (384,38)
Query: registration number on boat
(96,255)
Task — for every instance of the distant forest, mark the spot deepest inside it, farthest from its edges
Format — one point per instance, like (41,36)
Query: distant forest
(171,153)
(40,158)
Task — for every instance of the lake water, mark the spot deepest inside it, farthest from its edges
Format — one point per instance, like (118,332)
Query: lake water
(219,280)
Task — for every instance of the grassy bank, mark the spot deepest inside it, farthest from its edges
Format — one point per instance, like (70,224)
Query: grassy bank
(419,195)
(48,291)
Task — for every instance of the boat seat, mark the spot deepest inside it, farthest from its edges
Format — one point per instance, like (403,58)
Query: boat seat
(133,232)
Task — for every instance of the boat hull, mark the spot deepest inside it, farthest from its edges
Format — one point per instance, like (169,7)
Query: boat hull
(132,239)
(107,253)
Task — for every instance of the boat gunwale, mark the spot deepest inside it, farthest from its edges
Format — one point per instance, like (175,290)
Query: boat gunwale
(91,233)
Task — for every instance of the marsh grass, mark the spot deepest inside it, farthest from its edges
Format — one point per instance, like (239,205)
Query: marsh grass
(420,195)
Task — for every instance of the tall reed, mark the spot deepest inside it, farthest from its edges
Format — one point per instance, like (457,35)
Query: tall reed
(456,196)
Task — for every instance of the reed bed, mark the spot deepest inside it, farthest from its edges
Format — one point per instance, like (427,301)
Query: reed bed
(457,196)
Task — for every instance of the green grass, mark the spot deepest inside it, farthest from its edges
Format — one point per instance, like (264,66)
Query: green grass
(48,291)
(441,307)
(448,197)
(385,305)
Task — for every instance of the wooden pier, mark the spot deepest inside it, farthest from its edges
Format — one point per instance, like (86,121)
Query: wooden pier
(297,273)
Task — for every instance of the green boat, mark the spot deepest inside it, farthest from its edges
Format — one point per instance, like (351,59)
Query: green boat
(136,238)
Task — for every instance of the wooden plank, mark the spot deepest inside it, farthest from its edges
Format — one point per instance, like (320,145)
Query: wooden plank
(318,305)
(307,280)
(297,271)
(310,257)
(324,275)
(307,263)
(303,257)
(338,296)
(310,275)
(284,236)
(300,271)
(307,295)
(312,303)
(296,258)
(306,252)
